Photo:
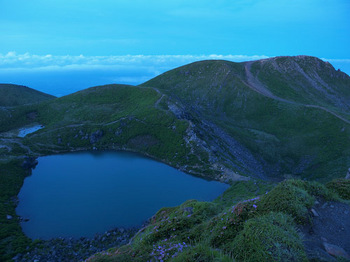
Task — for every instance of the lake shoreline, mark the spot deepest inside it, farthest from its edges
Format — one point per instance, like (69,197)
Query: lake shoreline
(76,249)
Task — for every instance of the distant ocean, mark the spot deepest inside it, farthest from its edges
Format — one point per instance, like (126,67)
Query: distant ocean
(61,83)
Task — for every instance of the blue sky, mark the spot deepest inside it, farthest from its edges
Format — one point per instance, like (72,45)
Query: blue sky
(138,36)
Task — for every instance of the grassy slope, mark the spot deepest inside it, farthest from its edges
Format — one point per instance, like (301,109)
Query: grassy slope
(291,138)
(231,227)
(12,240)
(127,117)
(14,95)
(305,80)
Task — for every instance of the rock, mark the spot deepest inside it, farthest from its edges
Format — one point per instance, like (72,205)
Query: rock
(335,250)
(314,213)
(96,136)
(118,132)
(8,217)
(29,163)
(348,174)
(189,210)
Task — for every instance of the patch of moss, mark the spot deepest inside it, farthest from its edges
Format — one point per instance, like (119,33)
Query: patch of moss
(288,198)
(270,237)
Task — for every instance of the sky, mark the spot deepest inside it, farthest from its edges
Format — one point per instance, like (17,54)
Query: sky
(61,46)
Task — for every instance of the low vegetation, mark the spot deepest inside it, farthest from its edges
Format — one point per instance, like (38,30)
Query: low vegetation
(263,228)
(15,95)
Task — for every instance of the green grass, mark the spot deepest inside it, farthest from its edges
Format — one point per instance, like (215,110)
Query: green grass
(12,240)
(259,229)
(126,115)
(15,95)
(271,237)
(288,198)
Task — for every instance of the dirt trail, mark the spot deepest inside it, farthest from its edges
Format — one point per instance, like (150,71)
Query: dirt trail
(329,232)
(158,101)
(254,84)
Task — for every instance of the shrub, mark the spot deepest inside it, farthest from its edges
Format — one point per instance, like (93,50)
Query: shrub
(286,197)
(224,227)
(178,221)
(270,237)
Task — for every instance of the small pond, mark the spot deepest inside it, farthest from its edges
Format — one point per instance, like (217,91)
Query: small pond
(81,194)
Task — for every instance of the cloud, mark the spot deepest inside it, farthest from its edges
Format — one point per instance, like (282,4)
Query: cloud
(152,63)
(336,60)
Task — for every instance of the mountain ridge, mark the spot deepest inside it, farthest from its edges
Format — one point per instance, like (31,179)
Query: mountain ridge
(215,119)
(234,97)
(236,124)
(15,95)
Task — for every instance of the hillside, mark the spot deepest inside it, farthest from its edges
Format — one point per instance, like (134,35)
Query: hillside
(284,115)
(114,117)
(14,95)
(261,121)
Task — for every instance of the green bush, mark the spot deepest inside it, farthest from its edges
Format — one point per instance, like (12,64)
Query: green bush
(286,197)
(271,237)
(225,226)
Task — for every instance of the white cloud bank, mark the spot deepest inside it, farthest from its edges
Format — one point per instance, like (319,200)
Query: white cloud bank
(61,75)
(151,63)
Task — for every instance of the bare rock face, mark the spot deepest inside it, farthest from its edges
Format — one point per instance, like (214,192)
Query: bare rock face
(348,174)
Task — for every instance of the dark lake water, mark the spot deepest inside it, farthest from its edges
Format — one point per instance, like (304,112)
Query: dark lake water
(81,194)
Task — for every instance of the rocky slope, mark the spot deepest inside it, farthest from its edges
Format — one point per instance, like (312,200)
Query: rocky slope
(284,115)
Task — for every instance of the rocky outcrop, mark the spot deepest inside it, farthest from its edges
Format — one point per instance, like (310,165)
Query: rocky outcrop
(348,174)
(96,136)
(70,249)
(29,163)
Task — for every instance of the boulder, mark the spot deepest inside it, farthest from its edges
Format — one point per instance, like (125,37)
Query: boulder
(335,250)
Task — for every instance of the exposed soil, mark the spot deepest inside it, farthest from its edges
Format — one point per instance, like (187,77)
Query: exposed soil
(328,236)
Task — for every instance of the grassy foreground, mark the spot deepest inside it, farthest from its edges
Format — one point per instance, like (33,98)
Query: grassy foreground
(234,227)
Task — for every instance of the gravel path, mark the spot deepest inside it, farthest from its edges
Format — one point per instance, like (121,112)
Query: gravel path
(329,234)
